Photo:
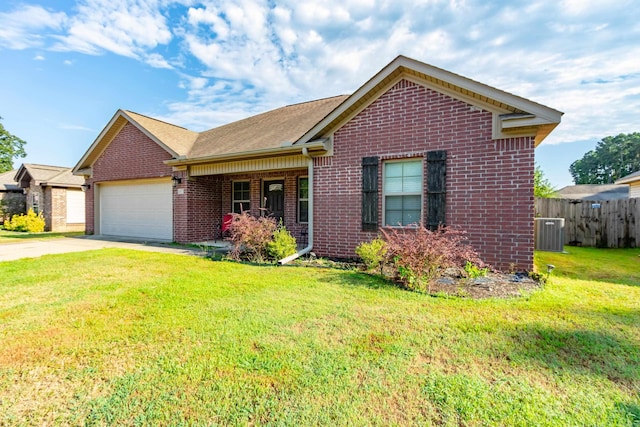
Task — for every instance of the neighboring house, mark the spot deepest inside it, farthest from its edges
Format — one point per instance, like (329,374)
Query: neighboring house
(593,192)
(56,193)
(414,143)
(12,198)
(633,180)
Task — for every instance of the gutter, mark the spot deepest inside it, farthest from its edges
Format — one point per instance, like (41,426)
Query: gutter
(249,155)
(306,250)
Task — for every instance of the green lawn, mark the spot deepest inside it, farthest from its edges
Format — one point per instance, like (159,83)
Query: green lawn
(117,337)
(16,236)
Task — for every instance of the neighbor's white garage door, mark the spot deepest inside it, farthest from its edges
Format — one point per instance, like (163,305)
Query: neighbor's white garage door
(141,210)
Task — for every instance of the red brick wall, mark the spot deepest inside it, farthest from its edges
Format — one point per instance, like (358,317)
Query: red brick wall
(195,212)
(489,182)
(131,155)
(89,226)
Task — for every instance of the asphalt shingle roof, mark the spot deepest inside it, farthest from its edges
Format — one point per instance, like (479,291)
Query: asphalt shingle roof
(52,175)
(7,183)
(264,131)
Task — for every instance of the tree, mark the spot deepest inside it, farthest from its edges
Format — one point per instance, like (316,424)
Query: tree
(541,185)
(10,147)
(613,158)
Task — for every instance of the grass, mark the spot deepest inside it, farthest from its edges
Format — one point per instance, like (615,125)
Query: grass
(609,265)
(16,236)
(136,338)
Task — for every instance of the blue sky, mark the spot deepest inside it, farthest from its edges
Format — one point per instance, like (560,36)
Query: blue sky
(67,66)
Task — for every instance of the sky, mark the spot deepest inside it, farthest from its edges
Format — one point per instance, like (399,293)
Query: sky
(67,66)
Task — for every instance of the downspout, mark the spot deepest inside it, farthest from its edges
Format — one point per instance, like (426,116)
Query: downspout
(307,249)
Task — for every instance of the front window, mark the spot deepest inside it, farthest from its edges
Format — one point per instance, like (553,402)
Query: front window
(402,189)
(241,196)
(303,199)
(35,205)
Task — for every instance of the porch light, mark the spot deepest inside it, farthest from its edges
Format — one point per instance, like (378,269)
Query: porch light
(176,180)
(85,186)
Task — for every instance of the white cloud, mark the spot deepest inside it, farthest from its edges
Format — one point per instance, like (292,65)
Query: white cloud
(238,57)
(38,58)
(157,61)
(124,27)
(21,28)
(76,127)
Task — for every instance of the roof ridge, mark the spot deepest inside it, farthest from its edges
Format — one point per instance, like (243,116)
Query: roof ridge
(158,120)
(45,166)
(312,100)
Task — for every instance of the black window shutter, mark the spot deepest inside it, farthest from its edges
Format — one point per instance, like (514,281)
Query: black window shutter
(436,188)
(370,193)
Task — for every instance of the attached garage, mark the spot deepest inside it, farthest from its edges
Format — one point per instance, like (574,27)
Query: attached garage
(138,209)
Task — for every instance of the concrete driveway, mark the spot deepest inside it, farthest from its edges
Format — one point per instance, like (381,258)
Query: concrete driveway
(36,248)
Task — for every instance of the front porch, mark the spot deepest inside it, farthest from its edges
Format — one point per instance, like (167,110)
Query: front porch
(201,202)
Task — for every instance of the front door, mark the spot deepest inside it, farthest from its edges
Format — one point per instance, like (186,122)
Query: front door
(273,198)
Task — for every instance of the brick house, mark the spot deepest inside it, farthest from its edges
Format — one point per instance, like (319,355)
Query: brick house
(414,143)
(56,193)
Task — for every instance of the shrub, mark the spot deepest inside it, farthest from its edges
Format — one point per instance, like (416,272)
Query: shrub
(474,271)
(11,204)
(30,222)
(282,244)
(250,236)
(418,254)
(373,253)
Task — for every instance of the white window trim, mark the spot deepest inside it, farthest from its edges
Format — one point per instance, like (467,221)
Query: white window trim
(243,201)
(303,200)
(415,193)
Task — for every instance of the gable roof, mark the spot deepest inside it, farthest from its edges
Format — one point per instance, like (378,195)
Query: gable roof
(284,130)
(512,114)
(47,175)
(594,192)
(7,183)
(633,177)
(176,140)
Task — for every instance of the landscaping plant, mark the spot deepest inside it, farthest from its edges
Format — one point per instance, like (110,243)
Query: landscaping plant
(30,222)
(250,236)
(419,254)
(373,253)
(473,271)
(282,244)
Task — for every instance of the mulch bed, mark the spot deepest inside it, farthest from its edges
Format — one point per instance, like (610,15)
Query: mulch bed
(454,283)
(493,285)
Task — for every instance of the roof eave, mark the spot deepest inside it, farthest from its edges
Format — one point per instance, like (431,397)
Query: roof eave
(59,184)
(313,148)
(628,179)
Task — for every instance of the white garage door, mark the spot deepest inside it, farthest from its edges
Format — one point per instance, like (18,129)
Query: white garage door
(141,210)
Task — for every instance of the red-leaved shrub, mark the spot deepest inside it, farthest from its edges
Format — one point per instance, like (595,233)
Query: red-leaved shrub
(250,236)
(419,254)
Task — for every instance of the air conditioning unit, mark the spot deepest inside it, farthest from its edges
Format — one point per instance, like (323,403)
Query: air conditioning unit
(549,234)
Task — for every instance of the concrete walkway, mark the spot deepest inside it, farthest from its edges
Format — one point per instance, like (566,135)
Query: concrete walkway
(36,248)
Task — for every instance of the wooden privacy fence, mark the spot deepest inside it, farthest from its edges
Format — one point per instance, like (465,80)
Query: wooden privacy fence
(602,224)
